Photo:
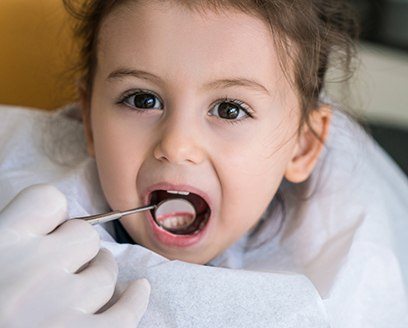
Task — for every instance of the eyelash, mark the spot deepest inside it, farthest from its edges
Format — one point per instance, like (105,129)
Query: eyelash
(241,105)
(130,93)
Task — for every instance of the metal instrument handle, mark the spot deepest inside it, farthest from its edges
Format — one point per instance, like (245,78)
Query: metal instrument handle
(110,216)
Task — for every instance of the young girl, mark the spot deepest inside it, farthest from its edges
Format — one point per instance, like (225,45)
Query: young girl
(220,103)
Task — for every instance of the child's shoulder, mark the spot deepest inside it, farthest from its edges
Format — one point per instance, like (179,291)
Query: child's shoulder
(352,151)
(357,187)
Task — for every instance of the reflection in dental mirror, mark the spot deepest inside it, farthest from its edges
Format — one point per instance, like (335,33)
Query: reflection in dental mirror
(174,214)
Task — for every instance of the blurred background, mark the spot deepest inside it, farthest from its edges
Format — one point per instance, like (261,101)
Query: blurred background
(384,21)
(37,50)
(378,91)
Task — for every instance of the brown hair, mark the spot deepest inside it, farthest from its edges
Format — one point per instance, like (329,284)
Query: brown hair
(311,35)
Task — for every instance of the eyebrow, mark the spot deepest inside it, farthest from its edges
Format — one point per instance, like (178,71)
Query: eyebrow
(237,82)
(125,72)
(218,84)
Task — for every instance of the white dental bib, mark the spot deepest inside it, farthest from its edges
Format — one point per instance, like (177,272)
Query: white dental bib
(338,259)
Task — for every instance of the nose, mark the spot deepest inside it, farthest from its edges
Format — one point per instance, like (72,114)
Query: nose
(179,142)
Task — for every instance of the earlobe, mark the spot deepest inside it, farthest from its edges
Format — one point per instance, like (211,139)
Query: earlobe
(86,119)
(310,144)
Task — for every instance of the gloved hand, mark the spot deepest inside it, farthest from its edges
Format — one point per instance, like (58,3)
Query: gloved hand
(45,277)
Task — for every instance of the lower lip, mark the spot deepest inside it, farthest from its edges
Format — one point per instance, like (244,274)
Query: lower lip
(172,240)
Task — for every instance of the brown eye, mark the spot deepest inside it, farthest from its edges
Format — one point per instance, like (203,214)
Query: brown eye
(229,110)
(143,100)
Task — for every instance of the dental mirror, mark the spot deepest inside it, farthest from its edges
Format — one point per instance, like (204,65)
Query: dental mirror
(169,214)
(174,214)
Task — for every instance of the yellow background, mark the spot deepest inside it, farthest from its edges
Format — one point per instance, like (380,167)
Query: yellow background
(36,54)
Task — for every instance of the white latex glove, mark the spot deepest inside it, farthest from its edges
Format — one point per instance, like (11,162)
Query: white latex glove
(45,277)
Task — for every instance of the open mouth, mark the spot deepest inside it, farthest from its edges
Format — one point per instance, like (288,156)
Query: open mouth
(181,222)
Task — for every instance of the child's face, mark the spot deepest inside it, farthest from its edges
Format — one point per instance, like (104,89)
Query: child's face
(194,75)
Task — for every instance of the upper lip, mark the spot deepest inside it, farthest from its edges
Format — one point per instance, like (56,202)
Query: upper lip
(174,187)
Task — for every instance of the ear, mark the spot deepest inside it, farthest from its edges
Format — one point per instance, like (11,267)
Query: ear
(309,145)
(86,119)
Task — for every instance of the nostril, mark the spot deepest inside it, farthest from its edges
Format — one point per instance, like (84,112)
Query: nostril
(158,153)
(179,153)
(179,140)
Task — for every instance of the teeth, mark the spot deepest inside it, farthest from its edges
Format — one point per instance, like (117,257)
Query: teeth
(184,193)
(177,222)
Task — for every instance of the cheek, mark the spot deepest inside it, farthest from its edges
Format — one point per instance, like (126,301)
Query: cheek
(250,176)
(119,154)
(259,153)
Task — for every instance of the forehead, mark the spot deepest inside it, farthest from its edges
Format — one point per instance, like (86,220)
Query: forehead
(173,39)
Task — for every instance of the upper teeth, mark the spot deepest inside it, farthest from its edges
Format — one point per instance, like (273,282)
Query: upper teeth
(185,193)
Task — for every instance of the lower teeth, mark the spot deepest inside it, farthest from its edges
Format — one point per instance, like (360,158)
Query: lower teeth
(176,222)
(182,223)
(185,226)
